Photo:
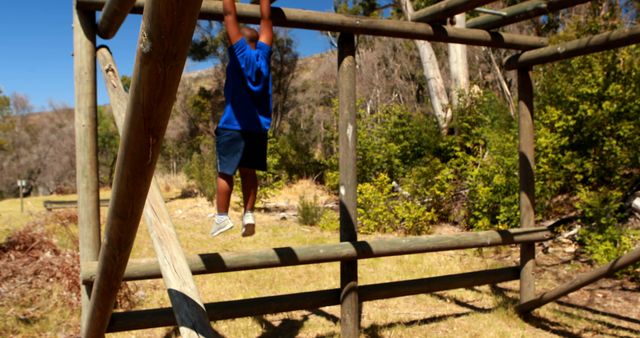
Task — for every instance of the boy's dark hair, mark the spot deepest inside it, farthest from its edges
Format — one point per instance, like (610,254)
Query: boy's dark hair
(251,35)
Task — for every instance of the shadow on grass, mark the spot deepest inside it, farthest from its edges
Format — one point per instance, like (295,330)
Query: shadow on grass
(374,330)
(287,327)
(559,328)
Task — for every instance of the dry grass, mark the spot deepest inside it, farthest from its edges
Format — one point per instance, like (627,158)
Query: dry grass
(478,312)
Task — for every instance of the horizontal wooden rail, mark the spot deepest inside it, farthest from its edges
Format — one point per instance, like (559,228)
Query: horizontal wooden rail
(581,281)
(520,12)
(113,15)
(298,18)
(144,319)
(446,9)
(593,44)
(50,205)
(140,269)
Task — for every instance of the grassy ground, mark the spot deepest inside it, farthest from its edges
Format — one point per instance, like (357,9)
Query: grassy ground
(478,312)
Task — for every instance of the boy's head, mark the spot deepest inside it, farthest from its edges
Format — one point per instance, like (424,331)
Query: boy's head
(251,35)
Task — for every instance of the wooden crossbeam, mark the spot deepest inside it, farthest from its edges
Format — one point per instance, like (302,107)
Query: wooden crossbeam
(113,14)
(188,309)
(521,12)
(143,319)
(443,10)
(140,269)
(333,22)
(592,44)
(165,35)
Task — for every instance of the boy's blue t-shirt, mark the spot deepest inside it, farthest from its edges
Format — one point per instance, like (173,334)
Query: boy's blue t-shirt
(247,90)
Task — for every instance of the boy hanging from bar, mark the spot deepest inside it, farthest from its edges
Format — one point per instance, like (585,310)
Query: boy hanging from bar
(241,135)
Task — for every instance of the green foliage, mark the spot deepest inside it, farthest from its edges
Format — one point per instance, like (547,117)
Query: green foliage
(108,142)
(603,236)
(5,124)
(309,211)
(393,141)
(330,221)
(380,209)
(202,169)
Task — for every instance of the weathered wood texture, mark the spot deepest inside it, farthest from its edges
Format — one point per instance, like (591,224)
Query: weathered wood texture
(581,281)
(350,313)
(527,181)
(188,309)
(113,15)
(84,67)
(140,269)
(136,320)
(593,44)
(165,36)
(520,12)
(297,18)
(51,205)
(443,10)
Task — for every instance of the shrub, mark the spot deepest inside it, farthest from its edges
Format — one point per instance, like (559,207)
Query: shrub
(309,211)
(202,169)
(602,235)
(380,209)
(330,221)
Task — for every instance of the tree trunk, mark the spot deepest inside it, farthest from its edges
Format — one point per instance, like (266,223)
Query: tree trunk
(435,83)
(458,66)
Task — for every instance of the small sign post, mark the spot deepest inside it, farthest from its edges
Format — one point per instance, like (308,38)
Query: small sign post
(21,185)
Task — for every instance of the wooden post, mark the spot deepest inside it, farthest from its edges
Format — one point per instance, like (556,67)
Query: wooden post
(350,309)
(527,184)
(165,36)
(191,316)
(84,67)
(21,192)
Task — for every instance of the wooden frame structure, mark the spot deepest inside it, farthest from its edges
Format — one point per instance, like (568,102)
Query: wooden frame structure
(142,117)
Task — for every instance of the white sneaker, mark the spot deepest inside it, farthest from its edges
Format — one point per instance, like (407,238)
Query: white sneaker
(248,225)
(220,226)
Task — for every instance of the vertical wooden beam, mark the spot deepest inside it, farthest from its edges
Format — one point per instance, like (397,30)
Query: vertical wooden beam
(188,309)
(165,35)
(84,68)
(527,184)
(350,308)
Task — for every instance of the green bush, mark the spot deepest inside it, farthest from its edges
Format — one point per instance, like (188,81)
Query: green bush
(380,209)
(330,221)
(202,169)
(309,211)
(603,237)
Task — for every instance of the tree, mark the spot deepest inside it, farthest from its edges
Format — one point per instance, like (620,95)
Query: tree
(5,112)
(20,104)
(437,92)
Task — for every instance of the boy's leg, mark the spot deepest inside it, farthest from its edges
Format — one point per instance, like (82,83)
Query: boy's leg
(249,188)
(223,200)
(223,194)
(249,194)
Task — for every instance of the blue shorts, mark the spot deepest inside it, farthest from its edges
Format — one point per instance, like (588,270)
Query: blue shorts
(240,149)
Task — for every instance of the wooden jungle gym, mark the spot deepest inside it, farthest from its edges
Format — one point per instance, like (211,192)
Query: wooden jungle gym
(142,116)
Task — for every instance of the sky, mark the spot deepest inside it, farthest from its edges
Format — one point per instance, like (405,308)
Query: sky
(36,45)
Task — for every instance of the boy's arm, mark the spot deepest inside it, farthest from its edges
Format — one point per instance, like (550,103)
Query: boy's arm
(231,21)
(266,25)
